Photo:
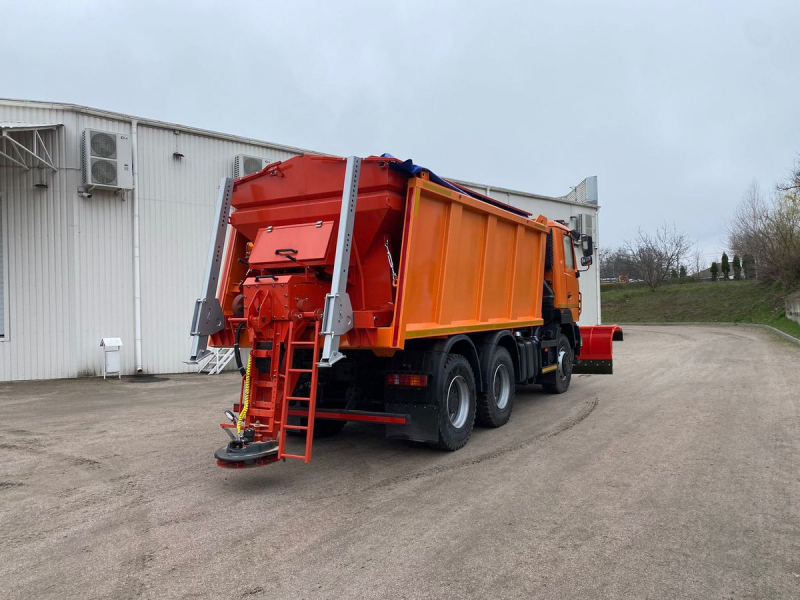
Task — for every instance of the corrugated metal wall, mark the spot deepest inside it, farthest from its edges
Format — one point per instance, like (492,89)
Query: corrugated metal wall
(70,259)
(38,233)
(70,275)
(103,260)
(177,199)
(553,210)
(3,270)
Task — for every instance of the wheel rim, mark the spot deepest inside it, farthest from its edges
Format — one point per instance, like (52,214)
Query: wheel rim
(501,386)
(458,401)
(564,367)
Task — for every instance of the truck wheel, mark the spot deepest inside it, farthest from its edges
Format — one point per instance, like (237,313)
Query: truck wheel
(558,383)
(494,405)
(457,400)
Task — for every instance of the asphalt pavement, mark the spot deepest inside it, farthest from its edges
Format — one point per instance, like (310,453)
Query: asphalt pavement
(676,477)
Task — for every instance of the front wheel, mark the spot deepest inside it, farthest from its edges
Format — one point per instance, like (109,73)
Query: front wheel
(456,401)
(558,382)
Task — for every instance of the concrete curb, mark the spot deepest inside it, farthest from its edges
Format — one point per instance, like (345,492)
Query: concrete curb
(783,334)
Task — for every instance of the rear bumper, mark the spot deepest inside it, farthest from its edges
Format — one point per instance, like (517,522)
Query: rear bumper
(595,354)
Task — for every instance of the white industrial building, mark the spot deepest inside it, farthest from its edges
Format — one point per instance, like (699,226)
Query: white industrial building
(119,251)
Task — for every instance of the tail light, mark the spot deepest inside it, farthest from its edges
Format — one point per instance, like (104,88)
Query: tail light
(407,379)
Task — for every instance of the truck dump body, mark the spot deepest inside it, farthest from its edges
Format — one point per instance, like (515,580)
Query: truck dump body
(440,300)
(466,266)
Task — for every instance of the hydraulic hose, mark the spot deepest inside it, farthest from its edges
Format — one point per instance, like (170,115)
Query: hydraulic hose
(236,354)
(246,399)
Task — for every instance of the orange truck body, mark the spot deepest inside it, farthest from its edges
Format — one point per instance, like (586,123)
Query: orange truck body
(433,271)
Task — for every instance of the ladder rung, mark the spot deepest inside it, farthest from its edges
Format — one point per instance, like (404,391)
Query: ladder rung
(304,343)
(306,398)
(296,427)
(300,456)
(301,370)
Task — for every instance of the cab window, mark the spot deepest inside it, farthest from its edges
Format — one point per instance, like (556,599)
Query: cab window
(569,257)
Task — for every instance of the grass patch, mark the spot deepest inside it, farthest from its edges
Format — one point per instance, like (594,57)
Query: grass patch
(705,302)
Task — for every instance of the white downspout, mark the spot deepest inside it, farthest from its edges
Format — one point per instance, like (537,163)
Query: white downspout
(137,281)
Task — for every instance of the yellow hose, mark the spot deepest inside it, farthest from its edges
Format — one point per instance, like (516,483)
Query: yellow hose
(246,401)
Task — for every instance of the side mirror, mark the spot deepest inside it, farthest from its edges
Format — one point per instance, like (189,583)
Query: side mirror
(587,245)
(586,261)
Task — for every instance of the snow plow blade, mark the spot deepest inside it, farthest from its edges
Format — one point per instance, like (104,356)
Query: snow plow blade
(595,355)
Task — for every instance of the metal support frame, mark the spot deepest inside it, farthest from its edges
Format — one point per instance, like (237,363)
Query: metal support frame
(338,316)
(38,147)
(208,317)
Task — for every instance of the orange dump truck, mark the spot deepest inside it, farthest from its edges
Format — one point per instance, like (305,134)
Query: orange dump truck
(372,290)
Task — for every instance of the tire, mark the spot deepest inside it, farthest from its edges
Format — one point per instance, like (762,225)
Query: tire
(457,400)
(559,382)
(495,405)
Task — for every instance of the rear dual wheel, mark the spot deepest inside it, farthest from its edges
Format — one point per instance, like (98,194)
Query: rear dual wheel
(457,399)
(494,405)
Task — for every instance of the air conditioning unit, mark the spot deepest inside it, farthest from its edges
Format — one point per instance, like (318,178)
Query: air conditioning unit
(246,165)
(107,160)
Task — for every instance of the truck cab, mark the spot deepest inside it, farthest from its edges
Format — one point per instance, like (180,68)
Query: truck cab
(561,268)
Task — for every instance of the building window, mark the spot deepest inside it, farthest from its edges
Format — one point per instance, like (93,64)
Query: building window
(3,274)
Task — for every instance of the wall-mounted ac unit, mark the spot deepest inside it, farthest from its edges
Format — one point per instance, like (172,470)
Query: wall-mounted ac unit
(107,160)
(246,165)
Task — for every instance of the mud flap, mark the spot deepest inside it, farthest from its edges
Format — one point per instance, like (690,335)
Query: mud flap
(422,424)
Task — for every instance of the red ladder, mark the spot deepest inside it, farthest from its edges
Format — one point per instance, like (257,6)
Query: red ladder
(290,381)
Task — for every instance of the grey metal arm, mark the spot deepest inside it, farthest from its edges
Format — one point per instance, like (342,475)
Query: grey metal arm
(338,316)
(208,317)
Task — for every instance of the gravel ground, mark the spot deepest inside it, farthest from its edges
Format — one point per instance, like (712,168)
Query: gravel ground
(677,477)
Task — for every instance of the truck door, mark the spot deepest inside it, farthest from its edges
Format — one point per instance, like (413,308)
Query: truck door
(566,273)
(570,275)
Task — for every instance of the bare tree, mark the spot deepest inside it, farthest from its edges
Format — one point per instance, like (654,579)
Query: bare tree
(654,256)
(697,262)
(769,232)
(615,263)
(792,183)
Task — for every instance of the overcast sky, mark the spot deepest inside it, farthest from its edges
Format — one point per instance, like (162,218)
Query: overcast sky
(675,106)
